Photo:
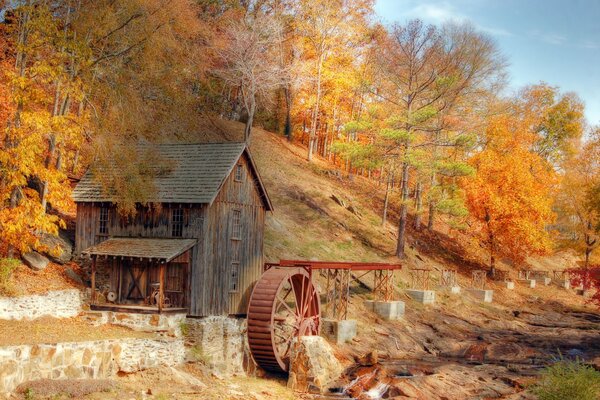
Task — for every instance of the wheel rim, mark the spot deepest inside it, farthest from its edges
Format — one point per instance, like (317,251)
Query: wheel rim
(284,304)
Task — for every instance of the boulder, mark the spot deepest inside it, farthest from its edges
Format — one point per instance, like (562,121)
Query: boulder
(73,276)
(338,200)
(60,248)
(312,363)
(35,260)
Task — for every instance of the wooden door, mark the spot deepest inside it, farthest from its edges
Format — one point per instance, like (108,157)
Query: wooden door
(134,282)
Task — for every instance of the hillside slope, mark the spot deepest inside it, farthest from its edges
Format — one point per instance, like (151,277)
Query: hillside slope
(476,350)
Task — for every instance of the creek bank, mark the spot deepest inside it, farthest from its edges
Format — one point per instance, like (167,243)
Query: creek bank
(430,378)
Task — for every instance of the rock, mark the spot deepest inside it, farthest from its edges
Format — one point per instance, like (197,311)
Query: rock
(71,274)
(353,210)
(60,248)
(35,260)
(338,200)
(312,362)
(371,358)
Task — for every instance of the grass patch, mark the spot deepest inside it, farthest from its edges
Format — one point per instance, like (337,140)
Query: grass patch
(568,379)
(7,266)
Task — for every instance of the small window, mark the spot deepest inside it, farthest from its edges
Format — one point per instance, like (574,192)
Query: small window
(239,173)
(235,266)
(234,279)
(177,223)
(236,224)
(103,221)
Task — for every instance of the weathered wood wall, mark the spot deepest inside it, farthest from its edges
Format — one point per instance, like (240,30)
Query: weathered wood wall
(211,226)
(244,197)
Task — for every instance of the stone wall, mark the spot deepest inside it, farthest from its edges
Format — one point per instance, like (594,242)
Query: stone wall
(167,323)
(93,359)
(218,342)
(57,304)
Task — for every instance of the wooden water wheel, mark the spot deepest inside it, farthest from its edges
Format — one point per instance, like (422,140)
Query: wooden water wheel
(284,304)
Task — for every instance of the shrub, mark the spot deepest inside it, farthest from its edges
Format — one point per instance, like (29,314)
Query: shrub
(7,266)
(567,379)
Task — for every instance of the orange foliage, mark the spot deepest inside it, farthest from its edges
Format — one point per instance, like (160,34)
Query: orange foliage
(510,195)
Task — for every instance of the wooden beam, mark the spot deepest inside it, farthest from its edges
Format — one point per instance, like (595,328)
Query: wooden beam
(161,287)
(93,297)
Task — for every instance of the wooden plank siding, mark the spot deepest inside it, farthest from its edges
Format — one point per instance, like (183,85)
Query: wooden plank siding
(244,197)
(210,270)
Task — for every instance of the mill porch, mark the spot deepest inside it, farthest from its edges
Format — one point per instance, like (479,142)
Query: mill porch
(145,275)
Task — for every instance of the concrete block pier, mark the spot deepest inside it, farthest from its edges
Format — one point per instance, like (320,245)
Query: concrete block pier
(389,310)
(482,294)
(566,284)
(341,331)
(529,283)
(422,296)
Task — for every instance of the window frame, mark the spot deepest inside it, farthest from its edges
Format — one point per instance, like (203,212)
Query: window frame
(238,174)
(236,225)
(103,221)
(177,222)
(235,241)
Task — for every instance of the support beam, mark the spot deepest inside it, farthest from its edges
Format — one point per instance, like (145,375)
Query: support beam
(93,295)
(161,287)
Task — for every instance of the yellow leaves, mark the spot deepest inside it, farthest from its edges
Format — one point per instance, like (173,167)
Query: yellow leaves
(22,225)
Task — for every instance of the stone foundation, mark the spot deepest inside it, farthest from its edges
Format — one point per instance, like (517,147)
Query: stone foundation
(57,304)
(546,281)
(94,359)
(338,331)
(482,295)
(565,284)
(169,323)
(422,296)
(529,282)
(454,289)
(218,342)
(389,310)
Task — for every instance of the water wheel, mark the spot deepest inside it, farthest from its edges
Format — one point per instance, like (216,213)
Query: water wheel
(284,304)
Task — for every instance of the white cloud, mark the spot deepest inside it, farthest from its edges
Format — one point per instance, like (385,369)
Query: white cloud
(549,37)
(440,12)
(589,44)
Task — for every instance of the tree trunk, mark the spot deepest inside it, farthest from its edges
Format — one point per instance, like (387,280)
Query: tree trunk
(315,114)
(386,200)
(288,114)
(492,242)
(432,204)
(403,213)
(418,205)
(248,127)
(431,215)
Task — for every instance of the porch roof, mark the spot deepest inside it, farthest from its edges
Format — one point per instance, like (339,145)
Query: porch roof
(163,250)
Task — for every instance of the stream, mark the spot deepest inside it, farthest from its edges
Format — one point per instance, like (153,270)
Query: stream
(377,381)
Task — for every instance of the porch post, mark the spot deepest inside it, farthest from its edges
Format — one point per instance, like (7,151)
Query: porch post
(161,287)
(93,296)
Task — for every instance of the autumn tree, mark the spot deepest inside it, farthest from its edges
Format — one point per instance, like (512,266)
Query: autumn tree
(327,29)
(476,74)
(510,195)
(248,60)
(578,200)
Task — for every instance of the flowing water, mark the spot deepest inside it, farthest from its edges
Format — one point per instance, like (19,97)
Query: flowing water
(376,382)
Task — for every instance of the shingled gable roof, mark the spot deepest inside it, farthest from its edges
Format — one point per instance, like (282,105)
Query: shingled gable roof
(199,171)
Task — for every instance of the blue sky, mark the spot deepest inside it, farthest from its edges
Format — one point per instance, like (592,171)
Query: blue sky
(557,42)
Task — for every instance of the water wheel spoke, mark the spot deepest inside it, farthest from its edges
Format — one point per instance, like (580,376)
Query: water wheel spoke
(307,300)
(281,301)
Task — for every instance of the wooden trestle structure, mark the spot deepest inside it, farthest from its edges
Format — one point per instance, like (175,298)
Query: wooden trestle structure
(285,304)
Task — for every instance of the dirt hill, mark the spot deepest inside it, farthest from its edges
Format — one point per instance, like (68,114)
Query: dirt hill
(474,350)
